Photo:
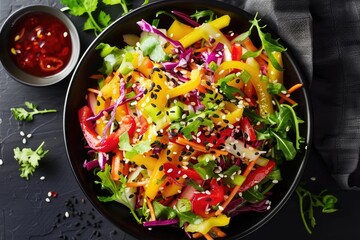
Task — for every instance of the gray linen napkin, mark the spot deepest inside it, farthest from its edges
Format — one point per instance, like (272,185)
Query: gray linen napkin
(324,38)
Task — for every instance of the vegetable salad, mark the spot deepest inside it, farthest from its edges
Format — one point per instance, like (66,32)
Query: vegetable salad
(187,126)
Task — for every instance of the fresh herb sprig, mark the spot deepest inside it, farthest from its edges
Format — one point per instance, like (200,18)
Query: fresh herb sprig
(268,44)
(28,159)
(89,7)
(22,114)
(324,201)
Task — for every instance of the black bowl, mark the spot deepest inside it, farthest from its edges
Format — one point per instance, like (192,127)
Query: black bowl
(118,214)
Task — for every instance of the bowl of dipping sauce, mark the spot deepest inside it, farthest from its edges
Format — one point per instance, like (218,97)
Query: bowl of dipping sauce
(41,45)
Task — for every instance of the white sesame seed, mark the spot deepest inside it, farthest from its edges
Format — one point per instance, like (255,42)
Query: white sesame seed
(1,162)
(49,194)
(47,199)
(22,133)
(42,178)
(67,214)
(313,178)
(29,135)
(170,170)
(149,229)
(275,181)
(221,208)
(24,141)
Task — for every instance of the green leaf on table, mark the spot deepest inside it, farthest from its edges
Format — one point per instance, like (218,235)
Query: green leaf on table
(28,159)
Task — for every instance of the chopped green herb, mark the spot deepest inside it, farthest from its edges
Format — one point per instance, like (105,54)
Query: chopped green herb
(269,45)
(324,201)
(29,159)
(21,114)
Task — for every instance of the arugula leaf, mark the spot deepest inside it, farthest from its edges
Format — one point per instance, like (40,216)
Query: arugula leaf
(268,44)
(180,212)
(324,201)
(278,125)
(119,191)
(253,195)
(285,146)
(133,150)
(205,13)
(29,159)
(21,114)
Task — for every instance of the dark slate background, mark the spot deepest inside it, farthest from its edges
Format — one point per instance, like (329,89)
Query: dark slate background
(25,213)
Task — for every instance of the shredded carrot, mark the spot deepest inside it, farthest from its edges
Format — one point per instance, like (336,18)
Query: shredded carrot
(115,165)
(96,76)
(286,98)
(93,90)
(295,87)
(289,91)
(218,232)
(249,45)
(151,208)
(208,237)
(136,184)
(197,235)
(109,77)
(199,147)
(248,169)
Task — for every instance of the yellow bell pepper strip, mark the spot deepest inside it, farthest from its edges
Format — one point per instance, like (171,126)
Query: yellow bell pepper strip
(196,35)
(208,32)
(157,94)
(177,30)
(205,226)
(193,83)
(275,75)
(264,98)
(158,172)
(143,159)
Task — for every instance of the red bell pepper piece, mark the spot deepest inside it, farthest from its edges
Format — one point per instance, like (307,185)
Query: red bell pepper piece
(202,200)
(236,52)
(247,129)
(172,171)
(217,139)
(257,175)
(143,125)
(94,140)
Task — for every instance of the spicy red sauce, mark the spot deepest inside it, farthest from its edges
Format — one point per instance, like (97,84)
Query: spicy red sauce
(40,44)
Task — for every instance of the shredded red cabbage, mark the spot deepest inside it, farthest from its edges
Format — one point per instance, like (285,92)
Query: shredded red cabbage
(146,27)
(186,17)
(240,205)
(165,222)
(90,164)
(216,55)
